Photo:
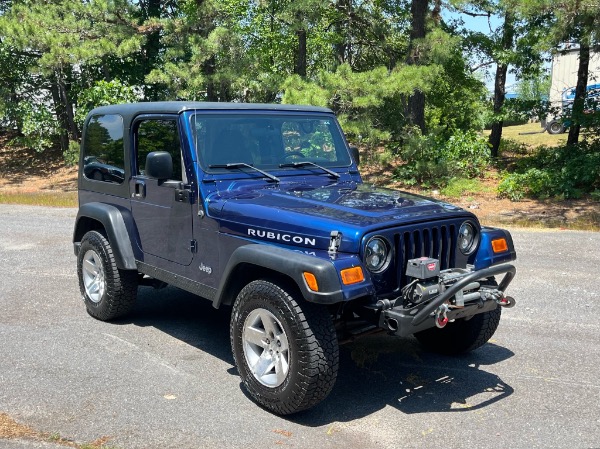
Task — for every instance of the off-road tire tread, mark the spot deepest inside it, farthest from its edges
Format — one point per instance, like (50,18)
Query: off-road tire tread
(463,335)
(121,285)
(311,328)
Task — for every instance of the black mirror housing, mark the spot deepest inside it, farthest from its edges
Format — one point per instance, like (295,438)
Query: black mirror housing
(159,165)
(355,155)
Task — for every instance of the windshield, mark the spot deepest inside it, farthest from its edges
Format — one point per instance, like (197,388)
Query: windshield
(268,141)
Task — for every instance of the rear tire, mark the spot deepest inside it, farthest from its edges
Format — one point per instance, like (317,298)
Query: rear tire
(286,351)
(462,335)
(108,292)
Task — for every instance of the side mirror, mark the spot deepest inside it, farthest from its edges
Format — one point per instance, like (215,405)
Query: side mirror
(355,155)
(159,165)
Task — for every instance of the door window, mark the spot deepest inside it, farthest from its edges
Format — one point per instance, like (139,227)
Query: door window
(159,135)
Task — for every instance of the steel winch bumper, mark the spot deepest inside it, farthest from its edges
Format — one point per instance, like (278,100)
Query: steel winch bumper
(403,321)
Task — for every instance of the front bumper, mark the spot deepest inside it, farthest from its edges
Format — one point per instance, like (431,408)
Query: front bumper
(403,321)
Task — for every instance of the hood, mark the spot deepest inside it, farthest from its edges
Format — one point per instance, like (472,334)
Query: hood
(303,214)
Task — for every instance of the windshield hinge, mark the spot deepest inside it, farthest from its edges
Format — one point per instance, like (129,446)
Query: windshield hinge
(335,239)
(193,246)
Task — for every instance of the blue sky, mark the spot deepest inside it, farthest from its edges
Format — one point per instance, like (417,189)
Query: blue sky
(482,25)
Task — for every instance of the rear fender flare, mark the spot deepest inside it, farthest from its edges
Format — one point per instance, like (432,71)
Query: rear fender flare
(114,223)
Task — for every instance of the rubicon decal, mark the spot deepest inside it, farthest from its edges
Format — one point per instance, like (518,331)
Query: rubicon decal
(288,238)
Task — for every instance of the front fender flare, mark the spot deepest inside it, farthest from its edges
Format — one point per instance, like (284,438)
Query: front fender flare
(289,263)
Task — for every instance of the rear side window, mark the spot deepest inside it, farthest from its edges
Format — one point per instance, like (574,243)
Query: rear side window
(103,152)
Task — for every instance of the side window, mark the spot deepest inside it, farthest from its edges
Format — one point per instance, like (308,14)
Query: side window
(103,152)
(159,135)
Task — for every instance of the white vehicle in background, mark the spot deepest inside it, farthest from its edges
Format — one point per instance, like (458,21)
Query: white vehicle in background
(562,88)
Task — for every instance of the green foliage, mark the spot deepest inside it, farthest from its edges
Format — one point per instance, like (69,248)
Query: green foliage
(364,101)
(534,88)
(563,172)
(467,153)
(101,94)
(71,154)
(68,32)
(433,160)
(509,146)
(39,128)
(456,99)
(424,162)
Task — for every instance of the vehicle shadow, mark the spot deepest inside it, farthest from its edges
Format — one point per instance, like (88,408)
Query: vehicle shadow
(375,371)
(382,370)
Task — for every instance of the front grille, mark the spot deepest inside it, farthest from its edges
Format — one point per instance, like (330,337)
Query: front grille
(437,242)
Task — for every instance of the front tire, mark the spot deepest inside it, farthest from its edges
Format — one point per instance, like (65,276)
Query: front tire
(108,292)
(286,353)
(462,335)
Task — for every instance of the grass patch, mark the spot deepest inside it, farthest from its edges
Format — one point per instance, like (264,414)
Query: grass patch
(530,134)
(460,187)
(51,199)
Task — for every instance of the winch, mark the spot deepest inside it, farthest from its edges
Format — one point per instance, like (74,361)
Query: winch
(444,295)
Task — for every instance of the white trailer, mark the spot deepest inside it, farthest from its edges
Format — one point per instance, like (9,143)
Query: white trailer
(564,79)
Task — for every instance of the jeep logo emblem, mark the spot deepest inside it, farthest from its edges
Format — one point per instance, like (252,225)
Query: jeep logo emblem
(205,268)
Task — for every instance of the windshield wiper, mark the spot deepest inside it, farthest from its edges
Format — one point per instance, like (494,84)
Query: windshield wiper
(243,164)
(312,164)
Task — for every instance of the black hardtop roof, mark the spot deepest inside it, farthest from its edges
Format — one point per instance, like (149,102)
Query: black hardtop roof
(175,107)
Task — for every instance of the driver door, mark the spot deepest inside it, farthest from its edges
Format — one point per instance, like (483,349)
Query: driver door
(162,210)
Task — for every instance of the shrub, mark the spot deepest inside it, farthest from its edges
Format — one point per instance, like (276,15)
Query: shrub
(433,160)
(467,153)
(39,127)
(424,163)
(71,154)
(563,172)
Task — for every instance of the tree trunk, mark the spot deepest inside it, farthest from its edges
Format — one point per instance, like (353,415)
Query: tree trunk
(151,48)
(300,68)
(582,81)
(416,103)
(343,46)
(58,110)
(208,69)
(68,108)
(508,33)
(499,96)
(63,108)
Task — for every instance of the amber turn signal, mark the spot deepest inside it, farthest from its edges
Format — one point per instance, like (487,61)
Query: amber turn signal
(352,275)
(499,245)
(311,281)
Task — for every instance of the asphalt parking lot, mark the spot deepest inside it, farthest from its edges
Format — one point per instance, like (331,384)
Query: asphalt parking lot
(164,377)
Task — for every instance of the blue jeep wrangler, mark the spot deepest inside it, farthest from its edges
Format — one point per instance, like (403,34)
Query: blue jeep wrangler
(261,208)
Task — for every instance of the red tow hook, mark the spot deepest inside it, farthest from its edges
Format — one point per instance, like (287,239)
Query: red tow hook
(441,322)
(507,302)
(441,319)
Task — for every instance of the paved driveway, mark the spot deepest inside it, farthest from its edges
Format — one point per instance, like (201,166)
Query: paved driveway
(164,378)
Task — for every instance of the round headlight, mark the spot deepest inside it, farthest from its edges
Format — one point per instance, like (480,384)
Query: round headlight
(377,254)
(466,238)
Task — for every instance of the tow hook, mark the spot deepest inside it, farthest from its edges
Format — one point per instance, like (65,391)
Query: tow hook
(441,319)
(507,302)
